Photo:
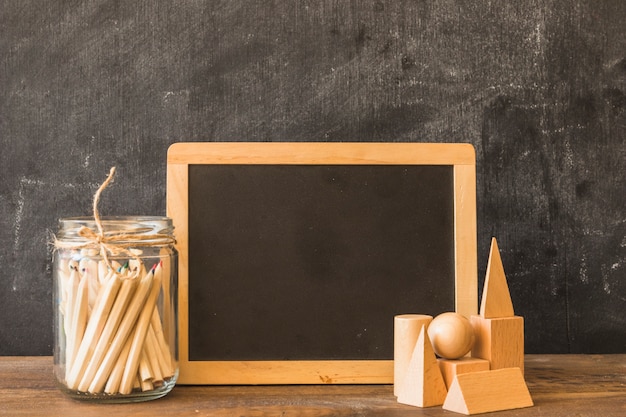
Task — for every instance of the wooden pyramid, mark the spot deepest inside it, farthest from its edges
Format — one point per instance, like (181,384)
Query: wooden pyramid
(499,333)
(496,299)
(423,384)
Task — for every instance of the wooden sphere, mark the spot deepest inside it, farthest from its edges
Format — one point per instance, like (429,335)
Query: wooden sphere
(451,335)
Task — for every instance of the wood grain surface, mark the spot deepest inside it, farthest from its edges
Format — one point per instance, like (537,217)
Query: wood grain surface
(560,386)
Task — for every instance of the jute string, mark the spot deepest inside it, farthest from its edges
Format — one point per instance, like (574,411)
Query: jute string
(112,243)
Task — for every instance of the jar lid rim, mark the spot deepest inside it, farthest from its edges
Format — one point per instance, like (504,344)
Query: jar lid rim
(115,218)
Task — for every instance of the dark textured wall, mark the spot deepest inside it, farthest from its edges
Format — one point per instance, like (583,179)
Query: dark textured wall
(538,87)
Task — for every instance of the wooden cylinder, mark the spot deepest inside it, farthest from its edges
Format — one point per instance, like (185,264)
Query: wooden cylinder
(406,331)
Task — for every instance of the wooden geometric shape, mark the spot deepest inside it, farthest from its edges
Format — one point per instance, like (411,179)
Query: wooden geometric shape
(500,341)
(423,385)
(496,299)
(487,391)
(450,368)
(407,328)
(451,335)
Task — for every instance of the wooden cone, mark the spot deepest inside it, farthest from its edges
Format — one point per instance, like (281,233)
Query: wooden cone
(487,391)
(423,384)
(496,300)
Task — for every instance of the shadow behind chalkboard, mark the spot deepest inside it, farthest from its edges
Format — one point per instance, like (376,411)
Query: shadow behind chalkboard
(294,262)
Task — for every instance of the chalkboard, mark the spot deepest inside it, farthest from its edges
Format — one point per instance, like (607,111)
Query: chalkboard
(344,247)
(296,257)
(537,87)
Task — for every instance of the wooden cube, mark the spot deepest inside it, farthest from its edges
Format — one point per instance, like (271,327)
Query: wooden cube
(500,341)
(450,368)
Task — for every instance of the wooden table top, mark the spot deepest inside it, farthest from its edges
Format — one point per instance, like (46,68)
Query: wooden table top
(560,385)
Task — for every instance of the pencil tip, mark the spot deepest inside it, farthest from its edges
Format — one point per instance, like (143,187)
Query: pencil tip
(123,267)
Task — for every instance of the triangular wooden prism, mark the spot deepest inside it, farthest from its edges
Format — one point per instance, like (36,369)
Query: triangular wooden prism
(487,391)
(496,300)
(423,384)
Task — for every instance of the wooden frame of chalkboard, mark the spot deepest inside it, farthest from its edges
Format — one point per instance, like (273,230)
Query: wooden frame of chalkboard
(184,158)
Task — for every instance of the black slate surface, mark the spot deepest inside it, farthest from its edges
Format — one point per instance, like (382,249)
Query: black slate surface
(538,87)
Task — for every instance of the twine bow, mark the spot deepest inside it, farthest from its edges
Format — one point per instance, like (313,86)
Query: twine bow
(113,243)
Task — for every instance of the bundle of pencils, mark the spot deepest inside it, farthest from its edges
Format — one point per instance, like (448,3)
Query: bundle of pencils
(114,339)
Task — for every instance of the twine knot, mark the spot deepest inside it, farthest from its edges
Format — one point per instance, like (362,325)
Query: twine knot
(113,243)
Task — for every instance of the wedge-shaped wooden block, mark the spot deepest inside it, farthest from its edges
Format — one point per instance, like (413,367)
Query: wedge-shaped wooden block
(487,391)
(423,384)
(450,368)
(496,299)
(500,341)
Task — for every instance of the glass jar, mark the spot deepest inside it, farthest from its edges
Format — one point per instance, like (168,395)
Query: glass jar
(115,308)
